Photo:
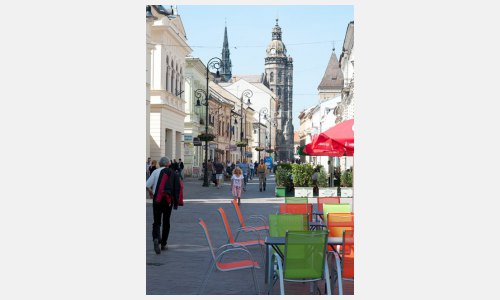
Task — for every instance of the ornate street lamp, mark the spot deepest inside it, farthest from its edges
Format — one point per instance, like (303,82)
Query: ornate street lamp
(213,63)
(246,93)
(262,111)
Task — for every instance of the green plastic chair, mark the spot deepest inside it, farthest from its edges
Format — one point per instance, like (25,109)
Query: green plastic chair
(296,200)
(305,259)
(335,208)
(279,224)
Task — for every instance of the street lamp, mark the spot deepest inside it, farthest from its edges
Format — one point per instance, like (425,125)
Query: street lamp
(213,63)
(246,93)
(264,112)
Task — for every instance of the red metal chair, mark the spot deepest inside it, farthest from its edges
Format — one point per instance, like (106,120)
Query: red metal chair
(231,240)
(216,257)
(341,227)
(330,200)
(302,209)
(246,228)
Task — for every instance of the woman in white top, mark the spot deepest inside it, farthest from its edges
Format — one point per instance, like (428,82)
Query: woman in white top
(237,183)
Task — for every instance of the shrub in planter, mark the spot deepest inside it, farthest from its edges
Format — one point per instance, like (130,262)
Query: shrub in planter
(259,149)
(322,178)
(241,144)
(269,150)
(302,175)
(346,179)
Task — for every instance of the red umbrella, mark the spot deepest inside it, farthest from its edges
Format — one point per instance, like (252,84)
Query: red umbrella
(324,148)
(339,138)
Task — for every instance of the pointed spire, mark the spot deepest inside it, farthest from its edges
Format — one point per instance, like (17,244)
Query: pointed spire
(333,78)
(226,60)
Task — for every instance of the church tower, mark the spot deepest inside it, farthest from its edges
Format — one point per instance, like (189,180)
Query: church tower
(279,75)
(333,81)
(226,60)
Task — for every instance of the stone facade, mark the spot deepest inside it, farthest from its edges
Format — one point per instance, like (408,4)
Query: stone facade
(279,77)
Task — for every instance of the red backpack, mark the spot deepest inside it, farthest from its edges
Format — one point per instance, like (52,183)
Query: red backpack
(169,188)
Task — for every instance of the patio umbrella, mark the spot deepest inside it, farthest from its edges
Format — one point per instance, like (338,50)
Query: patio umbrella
(339,138)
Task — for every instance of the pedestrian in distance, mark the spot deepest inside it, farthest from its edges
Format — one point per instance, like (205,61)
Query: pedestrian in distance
(153,166)
(219,173)
(148,164)
(166,189)
(244,169)
(237,181)
(262,172)
(181,169)
(251,166)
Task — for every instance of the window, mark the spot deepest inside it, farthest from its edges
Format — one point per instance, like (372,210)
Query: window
(271,77)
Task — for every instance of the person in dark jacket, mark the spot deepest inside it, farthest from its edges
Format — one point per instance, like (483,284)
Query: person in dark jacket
(181,169)
(163,202)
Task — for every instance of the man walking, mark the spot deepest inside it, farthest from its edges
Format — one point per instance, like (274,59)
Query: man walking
(219,173)
(167,194)
(252,169)
(262,172)
(181,169)
(244,168)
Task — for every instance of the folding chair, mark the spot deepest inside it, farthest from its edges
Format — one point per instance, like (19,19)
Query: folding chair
(246,228)
(305,259)
(300,200)
(216,257)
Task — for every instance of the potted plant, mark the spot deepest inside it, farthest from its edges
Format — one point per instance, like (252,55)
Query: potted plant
(324,189)
(241,144)
(288,183)
(269,150)
(282,181)
(346,184)
(206,137)
(259,149)
(302,180)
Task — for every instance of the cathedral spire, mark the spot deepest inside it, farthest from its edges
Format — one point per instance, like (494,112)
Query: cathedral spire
(226,60)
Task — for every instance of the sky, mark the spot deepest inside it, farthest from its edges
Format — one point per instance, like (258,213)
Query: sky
(308,32)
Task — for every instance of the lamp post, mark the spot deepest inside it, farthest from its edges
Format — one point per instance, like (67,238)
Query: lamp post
(246,93)
(213,63)
(264,112)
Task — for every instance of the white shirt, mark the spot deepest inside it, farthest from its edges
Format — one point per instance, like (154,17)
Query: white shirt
(153,179)
(251,166)
(237,180)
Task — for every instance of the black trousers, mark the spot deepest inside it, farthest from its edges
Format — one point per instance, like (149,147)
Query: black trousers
(161,211)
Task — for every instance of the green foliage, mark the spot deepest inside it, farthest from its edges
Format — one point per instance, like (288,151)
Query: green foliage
(302,175)
(346,179)
(282,177)
(206,137)
(288,167)
(322,178)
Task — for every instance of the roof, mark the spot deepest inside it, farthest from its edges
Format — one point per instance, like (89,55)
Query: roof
(217,89)
(333,78)
(248,78)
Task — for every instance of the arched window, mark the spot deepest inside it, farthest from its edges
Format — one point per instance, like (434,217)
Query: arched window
(271,77)
(280,76)
(279,91)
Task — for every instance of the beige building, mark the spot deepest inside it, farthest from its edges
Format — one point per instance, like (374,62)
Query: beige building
(195,79)
(168,52)
(346,109)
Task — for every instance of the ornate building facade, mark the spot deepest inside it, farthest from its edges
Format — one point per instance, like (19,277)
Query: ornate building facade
(279,78)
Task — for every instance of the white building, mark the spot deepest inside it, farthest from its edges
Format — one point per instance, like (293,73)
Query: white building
(264,102)
(168,52)
(346,109)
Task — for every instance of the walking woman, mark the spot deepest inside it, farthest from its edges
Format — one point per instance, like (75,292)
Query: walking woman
(237,183)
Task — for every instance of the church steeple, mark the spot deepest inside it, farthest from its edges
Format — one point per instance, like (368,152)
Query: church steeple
(226,60)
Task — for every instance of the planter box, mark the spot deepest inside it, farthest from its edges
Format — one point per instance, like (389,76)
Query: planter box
(327,192)
(346,192)
(280,192)
(303,192)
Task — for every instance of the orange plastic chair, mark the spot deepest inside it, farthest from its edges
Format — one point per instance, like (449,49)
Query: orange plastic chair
(246,228)
(231,239)
(330,200)
(348,255)
(302,209)
(216,260)
(338,224)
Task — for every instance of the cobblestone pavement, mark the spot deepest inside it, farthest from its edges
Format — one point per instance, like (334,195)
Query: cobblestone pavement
(180,270)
